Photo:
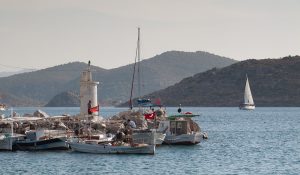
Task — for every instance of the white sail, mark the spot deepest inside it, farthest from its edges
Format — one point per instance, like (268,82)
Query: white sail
(248,99)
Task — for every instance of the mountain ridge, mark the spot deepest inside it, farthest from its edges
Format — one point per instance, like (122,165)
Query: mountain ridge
(273,82)
(158,72)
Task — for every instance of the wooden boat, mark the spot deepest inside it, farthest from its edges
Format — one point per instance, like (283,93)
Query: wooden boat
(108,148)
(38,140)
(180,130)
(137,142)
(148,137)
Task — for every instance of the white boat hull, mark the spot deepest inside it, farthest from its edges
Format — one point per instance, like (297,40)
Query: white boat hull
(247,107)
(109,149)
(184,139)
(150,138)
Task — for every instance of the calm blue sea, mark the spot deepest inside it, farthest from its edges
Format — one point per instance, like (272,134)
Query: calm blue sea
(264,141)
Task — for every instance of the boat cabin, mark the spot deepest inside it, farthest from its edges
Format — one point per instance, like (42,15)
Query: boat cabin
(175,127)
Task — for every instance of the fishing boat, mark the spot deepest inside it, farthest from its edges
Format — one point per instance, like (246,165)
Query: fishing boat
(134,143)
(43,140)
(108,148)
(181,130)
(248,103)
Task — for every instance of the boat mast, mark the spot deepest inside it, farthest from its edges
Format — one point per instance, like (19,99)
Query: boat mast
(139,65)
(133,74)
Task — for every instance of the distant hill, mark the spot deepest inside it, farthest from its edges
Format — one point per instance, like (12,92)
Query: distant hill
(10,73)
(64,99)
(158,72)
(274,82)
(12,100)
(40,86)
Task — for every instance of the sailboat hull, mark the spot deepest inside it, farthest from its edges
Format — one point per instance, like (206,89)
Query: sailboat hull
(248,103)
(247,107)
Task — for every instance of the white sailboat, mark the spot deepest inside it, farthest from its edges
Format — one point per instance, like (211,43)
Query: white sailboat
(248,103)
(141,102)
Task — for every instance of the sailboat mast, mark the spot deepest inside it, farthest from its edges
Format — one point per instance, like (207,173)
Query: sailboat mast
(133,74)
(139,67)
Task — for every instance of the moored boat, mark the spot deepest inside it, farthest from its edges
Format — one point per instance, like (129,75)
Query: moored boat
(108,148)
(181,130)
(38,140)
(133,142)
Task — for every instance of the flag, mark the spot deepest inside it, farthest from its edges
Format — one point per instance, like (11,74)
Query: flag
(150,116)
(158,102)
(95,109)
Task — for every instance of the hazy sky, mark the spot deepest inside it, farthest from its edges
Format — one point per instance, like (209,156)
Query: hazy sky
(43,33)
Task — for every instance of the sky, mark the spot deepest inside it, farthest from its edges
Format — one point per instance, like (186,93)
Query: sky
(43,33)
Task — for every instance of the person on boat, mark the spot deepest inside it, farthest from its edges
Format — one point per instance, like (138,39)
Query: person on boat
(89,107)
(131,123)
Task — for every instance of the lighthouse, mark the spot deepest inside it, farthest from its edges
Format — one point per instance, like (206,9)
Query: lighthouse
(88,91)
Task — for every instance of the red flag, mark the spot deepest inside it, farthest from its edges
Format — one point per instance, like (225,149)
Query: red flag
(158,102)
(95,109)
(150,116)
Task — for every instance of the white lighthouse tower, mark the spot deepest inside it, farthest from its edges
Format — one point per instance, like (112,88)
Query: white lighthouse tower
(88,91)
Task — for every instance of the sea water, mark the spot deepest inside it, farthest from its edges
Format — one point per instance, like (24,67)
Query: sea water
(263,141)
